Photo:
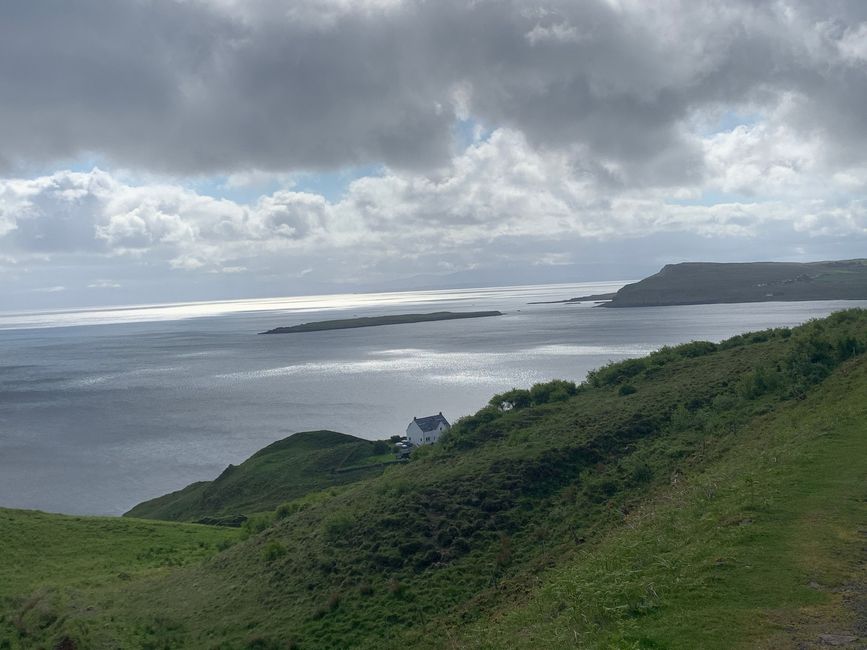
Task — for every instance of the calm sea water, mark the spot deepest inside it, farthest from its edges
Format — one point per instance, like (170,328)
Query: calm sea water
(101,409)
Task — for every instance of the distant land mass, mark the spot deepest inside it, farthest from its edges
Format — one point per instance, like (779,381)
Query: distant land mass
(695,283)
(375,321)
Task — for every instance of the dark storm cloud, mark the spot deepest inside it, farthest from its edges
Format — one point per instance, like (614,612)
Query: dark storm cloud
(188,88)
(200,87)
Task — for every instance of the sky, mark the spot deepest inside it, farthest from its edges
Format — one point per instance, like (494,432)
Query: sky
(167,150)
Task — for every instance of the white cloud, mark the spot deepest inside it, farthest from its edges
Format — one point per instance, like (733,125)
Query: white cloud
(556,33)
(104,284)
(853,44)
(498,190)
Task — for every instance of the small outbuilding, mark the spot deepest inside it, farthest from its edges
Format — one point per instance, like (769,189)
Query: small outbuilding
(426,431)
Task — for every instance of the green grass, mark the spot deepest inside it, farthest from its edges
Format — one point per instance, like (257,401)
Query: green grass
(750,553)
(45,557)
(283,471)
(40,548)
(667,515)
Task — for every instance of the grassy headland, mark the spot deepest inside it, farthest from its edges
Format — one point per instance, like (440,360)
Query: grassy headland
(376,321)
(707,495)
(288,469)
(705,283)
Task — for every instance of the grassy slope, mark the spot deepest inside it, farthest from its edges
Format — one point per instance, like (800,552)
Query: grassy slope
(764,549)
(46,557)
(698,282)
(282,471)
(524,517)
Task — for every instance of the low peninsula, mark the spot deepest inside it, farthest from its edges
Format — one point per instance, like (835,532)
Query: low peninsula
(702,283)
(376,321)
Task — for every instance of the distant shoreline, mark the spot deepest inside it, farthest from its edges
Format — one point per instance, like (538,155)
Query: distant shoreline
(599,297)
(710,283)
(376,321)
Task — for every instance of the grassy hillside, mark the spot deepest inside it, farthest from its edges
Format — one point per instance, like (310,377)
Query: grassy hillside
(703,496)
(282,471)
(764,549)
(47,560)
(702,282)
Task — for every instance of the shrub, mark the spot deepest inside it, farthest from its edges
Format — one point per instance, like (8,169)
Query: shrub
(504,554)
(556,390)
(848,347)
(627,389)
(517,398)
(333,600)
(696,349)
(394,587)
(616,373)
(681,419)
(641,473)
(273,550)
(430,557)
(758,382)
(286,509)
(337,526)
(256,524)
(460,545)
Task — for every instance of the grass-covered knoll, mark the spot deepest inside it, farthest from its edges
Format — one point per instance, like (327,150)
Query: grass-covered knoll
(703,282)
(285,470)
(519,505)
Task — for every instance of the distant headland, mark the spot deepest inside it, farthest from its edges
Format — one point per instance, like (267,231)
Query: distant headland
(376,321)
(697,283)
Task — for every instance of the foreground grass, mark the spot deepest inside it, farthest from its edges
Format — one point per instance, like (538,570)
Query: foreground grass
(764,549)
(47,557)
(40,548)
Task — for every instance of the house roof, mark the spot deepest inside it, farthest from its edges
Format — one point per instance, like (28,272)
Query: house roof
(431,422)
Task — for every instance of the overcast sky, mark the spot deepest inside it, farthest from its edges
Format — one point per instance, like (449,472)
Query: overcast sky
(157,150)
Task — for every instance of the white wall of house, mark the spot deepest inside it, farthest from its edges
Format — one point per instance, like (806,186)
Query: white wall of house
(416,436)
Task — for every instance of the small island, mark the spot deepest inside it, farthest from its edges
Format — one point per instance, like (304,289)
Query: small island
(376,321)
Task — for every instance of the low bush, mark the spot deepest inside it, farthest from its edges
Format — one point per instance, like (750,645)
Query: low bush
(273,550)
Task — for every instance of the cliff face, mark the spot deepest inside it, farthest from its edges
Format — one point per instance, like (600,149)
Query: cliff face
(704,283)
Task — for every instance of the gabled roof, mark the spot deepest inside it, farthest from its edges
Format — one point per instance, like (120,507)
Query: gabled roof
(431,422)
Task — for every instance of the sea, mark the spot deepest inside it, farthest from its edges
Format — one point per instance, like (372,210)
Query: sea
(103,408)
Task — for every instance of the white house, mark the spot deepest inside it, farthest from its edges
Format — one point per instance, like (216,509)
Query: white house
(426,431)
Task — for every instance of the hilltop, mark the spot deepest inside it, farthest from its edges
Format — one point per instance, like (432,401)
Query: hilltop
(707,495)
(282,471)
(692,283)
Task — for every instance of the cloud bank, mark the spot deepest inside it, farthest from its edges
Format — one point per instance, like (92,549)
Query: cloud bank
(489,122)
